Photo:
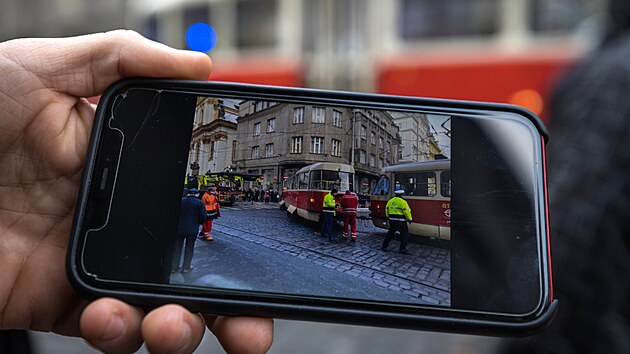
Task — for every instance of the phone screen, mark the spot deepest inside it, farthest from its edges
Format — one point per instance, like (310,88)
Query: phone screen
(262,170)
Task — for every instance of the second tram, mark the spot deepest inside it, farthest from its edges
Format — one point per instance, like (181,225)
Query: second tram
(229,185)
(427,187)
(303,193)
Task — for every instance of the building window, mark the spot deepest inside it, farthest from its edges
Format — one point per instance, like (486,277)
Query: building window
(257,129)
(317,145)
(269,150)
(372,160)
(373,138)
(336,148)
(336,119)
(197,148)
(380,163)
(262,105)
(296,145)
(380,143)
(199,117)
(255,152)
(211,155)
(234,146)
(298,115)
(319,115)
(363,132)
(271,125)
(362,158)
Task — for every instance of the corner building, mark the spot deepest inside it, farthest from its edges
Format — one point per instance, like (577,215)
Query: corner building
(214,127)
(277,139)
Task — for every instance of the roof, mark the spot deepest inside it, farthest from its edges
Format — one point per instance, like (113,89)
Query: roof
(329,166)
(432,165)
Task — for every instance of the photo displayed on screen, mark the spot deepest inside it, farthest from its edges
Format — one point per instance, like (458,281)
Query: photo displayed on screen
(315,200)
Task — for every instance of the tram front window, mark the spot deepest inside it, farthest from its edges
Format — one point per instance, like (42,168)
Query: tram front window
(382,186)
(327,180)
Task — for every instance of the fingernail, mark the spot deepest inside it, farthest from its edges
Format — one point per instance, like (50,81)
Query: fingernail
(114,330)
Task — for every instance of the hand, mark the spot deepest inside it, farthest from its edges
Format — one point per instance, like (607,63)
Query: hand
(45,125)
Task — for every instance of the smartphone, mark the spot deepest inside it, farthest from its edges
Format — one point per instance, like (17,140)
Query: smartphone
(212,195)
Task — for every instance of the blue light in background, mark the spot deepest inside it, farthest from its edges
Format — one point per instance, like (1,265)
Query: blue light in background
(201,37)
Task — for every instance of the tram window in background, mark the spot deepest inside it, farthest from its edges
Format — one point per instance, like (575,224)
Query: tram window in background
(290,183)
(382,186)
(562,15)
(150,28)
(315,181)
(196,14)
(419,184)
(331,179)
(327,180)
(303,180)
(346,19)
(447,18)
(256,23)
(445,183)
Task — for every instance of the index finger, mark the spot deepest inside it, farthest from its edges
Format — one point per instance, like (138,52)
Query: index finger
(84,66)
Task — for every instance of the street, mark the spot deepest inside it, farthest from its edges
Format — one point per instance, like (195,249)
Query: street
(258,247)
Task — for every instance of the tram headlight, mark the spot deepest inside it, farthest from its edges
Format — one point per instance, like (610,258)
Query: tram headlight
(312,200)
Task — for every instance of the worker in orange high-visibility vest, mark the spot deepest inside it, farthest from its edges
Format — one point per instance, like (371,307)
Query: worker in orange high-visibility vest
(211,201)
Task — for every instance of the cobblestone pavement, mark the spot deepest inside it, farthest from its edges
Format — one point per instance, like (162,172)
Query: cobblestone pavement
(423,275)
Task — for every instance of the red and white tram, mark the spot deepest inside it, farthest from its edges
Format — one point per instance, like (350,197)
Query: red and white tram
(427,187)
(303,193)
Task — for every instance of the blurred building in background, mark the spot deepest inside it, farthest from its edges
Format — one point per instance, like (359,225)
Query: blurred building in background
(276,139)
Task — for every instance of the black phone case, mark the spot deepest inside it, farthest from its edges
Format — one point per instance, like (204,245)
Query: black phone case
(432,319)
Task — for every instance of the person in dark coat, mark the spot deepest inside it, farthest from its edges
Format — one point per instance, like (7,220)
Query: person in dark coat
(191,214)
(589,201)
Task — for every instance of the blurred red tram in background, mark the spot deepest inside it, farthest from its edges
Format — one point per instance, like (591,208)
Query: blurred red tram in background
(508,51)
(303,193)
(427,187)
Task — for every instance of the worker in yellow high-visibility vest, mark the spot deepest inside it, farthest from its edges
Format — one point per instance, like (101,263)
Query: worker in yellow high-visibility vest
(399,214)
(328,212)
